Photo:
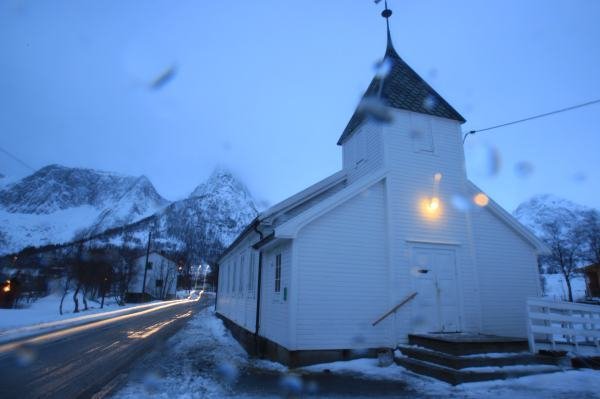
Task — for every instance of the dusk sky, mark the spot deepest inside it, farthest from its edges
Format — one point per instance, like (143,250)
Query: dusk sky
(265,88)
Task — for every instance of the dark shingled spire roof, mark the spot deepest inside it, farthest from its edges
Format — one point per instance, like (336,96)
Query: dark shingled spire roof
(402,88)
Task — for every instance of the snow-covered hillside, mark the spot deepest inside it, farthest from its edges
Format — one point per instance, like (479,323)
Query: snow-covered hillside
(543,208)
(55,203)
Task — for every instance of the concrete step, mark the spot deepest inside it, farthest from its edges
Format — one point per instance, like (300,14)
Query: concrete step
(478,360)
(460,344)
(459,376)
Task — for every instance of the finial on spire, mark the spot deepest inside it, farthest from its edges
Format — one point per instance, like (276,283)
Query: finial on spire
(387,13)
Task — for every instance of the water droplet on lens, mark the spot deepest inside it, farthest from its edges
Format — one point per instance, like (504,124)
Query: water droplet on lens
(228,371)
(151,381)
(312,387)
(579,177)
(460,203)
(25,356)
(291,384)
(481,199)
(375,108)
(429,103)
(417,320)
(383,68)
(415,134)
(486,160)
(523,169)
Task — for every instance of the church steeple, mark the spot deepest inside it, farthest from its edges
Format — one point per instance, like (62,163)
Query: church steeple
(401,88)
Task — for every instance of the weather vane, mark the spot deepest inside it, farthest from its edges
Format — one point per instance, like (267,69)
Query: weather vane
(386,13)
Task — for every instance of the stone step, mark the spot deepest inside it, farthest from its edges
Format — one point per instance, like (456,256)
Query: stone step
(455,377)
(459,344)
(478,360)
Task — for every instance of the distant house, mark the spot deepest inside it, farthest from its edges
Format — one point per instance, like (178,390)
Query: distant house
(161,278)
(592,280)
(309,277)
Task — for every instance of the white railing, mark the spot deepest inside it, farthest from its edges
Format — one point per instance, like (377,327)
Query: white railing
(563,325)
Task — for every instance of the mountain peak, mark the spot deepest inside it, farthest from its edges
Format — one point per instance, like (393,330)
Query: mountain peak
(545,208)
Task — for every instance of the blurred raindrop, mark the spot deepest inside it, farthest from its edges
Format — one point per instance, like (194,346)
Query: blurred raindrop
(429,103)
(25,356)
(227,145)
(359,340)
(291,384)
(433,73)
(524,169)
(375,108)
(417,320)
(580,177)
(312,387)
(415,134)
(383,68)
(460,203)
(165,77)
(151,381)
(228,371)
(486,160)
(481,199)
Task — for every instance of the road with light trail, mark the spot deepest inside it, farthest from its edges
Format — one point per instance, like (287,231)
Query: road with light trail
(86,360)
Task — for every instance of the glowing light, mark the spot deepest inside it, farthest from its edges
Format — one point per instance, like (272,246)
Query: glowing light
(481,199)
(437,177)
(434,204)
(6,288)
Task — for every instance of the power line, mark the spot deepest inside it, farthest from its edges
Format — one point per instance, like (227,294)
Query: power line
(17,159)
(532,117)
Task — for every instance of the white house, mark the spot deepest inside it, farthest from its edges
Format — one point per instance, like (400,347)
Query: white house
(161,277)
(314,272)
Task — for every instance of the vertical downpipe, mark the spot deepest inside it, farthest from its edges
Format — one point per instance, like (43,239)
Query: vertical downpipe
(258,292)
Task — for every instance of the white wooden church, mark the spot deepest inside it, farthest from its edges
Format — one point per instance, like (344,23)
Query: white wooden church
(314,272)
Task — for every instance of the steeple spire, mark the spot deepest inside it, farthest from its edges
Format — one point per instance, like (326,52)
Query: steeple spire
(401,88)
(387,13)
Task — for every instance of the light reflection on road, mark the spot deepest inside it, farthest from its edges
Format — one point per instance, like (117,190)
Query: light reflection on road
(6,348)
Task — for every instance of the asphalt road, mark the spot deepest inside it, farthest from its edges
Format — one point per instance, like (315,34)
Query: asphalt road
(84,361)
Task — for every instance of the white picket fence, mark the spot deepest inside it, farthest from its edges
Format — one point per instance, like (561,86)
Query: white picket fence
(563,325)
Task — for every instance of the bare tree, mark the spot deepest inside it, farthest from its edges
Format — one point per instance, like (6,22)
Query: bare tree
(590,233)
(563,236)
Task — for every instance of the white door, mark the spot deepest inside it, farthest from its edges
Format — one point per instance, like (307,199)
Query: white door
(433,274)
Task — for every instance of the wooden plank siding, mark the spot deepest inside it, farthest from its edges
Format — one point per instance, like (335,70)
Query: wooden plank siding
(343,279)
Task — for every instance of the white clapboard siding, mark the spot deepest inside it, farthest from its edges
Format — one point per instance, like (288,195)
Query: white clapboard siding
(239,305)
(274,319)
(508,274)
(560,323)
(362,153)
(343,280)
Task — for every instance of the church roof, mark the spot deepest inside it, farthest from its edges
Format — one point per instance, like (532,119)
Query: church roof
(402,88)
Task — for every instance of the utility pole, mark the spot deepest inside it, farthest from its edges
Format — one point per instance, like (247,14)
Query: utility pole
(146,265)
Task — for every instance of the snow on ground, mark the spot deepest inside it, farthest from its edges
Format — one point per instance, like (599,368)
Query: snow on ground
(204,361)
(556,288)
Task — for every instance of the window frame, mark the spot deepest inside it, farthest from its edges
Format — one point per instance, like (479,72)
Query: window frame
(277,280)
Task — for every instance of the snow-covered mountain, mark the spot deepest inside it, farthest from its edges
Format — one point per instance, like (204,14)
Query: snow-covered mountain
(58,204)
(544,208)
(55,203)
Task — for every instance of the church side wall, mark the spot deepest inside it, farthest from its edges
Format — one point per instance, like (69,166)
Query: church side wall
(275,306)
(508,275)
(237,301)
(343,277)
